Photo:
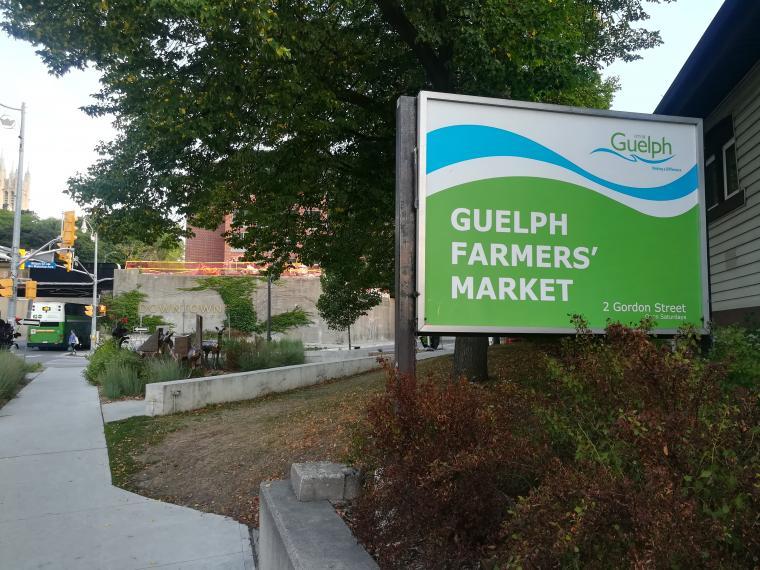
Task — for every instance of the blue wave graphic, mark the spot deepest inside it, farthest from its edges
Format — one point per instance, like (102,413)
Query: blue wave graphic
(457,143)
(633,157)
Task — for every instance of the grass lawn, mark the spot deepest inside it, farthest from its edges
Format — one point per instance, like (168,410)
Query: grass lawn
(214,459)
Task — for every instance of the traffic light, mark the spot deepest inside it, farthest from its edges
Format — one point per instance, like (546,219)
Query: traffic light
(21,253)
(31,289)
(88,310)
(101,310)
(6,287)
(67,258)
(69,229)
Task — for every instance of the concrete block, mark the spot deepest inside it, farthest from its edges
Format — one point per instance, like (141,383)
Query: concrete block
(297,535)
(321,480)
(318,480)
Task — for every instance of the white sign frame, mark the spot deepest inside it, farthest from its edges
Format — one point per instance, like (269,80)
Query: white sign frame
(425,97)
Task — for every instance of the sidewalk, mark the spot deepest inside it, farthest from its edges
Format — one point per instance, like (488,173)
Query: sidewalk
(58,508)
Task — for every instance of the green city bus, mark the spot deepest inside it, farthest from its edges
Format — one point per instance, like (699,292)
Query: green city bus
(56,323)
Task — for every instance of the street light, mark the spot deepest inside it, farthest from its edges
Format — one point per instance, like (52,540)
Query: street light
(8,123)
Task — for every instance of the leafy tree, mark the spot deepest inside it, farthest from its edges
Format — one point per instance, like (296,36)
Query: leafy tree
(36,232)
(282,113)
(165,248)
(342,302)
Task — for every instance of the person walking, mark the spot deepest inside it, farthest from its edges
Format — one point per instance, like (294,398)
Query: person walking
(73,342)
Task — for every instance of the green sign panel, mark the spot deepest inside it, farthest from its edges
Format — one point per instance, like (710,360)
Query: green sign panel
(531,213)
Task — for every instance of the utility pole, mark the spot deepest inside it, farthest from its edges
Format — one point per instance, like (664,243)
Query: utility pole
(406,234)
(17,219)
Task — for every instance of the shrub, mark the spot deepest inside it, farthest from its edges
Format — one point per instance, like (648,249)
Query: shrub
(739,349)
(244,355)
(121,379)
(285,352)
(109,365)
(626,452)
(98,360)
(447,461)
(12,372)
(232,352)
(126,305)
(163,370)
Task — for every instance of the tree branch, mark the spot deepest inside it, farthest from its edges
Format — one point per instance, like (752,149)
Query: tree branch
(435,68)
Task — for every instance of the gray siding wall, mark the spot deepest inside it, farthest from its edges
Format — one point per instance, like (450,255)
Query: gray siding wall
(735,238)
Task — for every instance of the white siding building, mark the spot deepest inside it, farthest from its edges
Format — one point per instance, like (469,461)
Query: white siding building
(720,83)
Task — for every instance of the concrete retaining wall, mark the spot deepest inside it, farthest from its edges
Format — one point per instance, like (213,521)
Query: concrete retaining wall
(166,295)
(163,398)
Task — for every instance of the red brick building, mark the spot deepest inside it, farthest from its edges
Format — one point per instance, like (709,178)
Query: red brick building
(209,245)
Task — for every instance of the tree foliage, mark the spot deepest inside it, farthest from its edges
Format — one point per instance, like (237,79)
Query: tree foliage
(342,303)
(125,307)
(282,113)
(36,232)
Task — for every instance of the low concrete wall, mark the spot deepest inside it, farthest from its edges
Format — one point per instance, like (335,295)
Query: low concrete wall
(163,398)
(297,535)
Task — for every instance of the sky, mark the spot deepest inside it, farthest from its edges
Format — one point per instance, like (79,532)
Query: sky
(60,138)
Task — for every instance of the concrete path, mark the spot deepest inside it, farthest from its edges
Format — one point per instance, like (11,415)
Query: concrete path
(115,411)
(58,509)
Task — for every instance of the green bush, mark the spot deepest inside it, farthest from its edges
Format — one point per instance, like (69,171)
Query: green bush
(619,452)
(12,371)
(739,350)
(256,355)
(163,370)
(285,352)
(98,360)
(126,306)
(121,379)
(232,352)
(110,354)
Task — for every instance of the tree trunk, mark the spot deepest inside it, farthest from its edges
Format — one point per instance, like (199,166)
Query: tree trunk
(471,358)
(349,337)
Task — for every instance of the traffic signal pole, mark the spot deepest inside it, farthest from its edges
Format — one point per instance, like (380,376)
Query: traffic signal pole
(17,222)
(94,330)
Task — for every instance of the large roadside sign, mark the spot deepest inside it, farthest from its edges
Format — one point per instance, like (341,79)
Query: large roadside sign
(531,213)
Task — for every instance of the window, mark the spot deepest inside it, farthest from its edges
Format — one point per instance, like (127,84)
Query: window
(730,176)
(722,191)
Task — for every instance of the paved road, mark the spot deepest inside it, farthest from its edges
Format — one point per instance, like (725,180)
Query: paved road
(43,356)
(58,509)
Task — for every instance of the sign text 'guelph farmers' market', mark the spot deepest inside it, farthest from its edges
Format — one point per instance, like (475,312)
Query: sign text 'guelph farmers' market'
(525,219)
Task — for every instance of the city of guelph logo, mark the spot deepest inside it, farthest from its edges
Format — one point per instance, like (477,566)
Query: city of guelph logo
(638,148)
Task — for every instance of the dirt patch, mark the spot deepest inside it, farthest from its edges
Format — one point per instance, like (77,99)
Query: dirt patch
(215,459)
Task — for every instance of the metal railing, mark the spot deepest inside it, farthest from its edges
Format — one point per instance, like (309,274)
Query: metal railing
(212,268)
